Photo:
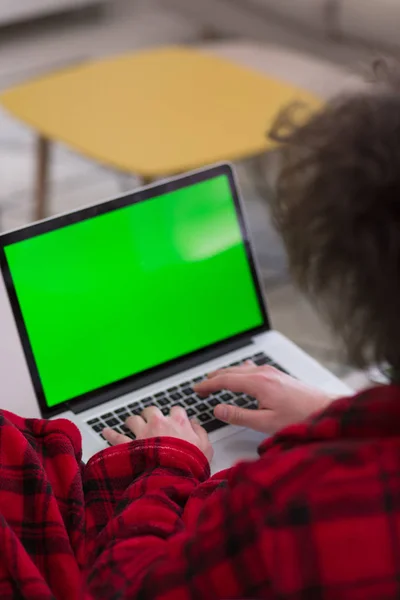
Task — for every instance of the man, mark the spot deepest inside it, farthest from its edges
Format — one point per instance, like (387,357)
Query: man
(318,515)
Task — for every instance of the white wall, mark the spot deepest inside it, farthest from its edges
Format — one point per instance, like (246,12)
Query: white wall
(12,10)
(266,20)
(311,13)
(375,21)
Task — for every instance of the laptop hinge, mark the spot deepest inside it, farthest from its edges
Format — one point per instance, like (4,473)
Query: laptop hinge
(150,378)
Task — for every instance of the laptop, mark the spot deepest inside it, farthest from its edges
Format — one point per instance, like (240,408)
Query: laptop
(130,302)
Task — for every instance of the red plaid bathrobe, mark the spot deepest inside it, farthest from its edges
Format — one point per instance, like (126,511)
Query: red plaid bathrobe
(316,517)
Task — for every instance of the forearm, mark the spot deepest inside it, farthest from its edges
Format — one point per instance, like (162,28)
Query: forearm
(149,551)
(149,481)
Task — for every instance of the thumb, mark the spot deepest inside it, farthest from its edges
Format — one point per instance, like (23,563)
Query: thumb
(258,420)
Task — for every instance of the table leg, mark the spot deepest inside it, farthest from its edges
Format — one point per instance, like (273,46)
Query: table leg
(42,171)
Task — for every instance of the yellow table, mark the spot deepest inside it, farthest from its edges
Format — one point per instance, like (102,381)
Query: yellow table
(152,113)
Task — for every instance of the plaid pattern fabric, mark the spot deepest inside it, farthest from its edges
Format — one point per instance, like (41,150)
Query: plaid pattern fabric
(317,517)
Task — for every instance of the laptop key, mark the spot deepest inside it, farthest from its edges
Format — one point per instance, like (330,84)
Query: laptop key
(214,401)
(93,421)
(252,403)
(98,427)
(190,401)
(107,416)
(261,361)
(146,401)
(137,412)
(126,431)
(124,415)
(162,402)
(165,411)
(176,396)
(173,389)
(190,412)
(112,422)
(241,402)
(227,396)
(159,395)
(202,407)
(198,379)
(188,391)
(204,417)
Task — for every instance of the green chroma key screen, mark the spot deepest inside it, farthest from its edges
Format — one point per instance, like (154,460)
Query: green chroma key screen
(119,293)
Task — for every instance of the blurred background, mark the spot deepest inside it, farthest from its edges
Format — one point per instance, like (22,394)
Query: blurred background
(320,46)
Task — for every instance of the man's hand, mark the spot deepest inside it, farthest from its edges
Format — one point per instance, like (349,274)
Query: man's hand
(152,423)
(282,400)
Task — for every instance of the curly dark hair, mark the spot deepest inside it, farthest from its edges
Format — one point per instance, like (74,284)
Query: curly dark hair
(337,208)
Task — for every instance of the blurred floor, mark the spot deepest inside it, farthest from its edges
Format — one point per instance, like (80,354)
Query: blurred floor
(76,181)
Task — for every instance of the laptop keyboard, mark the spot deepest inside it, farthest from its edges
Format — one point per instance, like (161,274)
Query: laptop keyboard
(182,395)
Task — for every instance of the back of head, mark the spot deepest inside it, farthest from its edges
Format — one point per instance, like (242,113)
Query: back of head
(337,207)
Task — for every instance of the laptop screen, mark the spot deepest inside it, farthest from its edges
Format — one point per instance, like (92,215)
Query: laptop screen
(118,293)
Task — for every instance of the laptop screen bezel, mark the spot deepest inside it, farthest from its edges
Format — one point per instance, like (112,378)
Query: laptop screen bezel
(131,382)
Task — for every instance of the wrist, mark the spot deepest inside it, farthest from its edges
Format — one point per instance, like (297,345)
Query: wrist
(131,460)
(172,452)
